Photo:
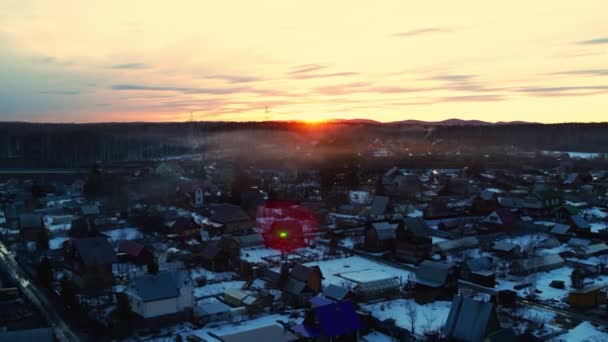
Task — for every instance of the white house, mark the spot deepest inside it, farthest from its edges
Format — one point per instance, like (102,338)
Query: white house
(164,294)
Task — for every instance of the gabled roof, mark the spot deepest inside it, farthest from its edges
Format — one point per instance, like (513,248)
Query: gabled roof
(417,226)
(462,243)
(579,222)
(433,274)
(273,332)
(338,319)
(479,264)
(95,250)
(335,292)
(214,308)
(294,286)
(537,262)
(469,320)
(511,202)
(571,178)
(302,273)
(385,230)
(211,251)
(379,205)
(156,287)
(560,229)
(504,246)
(130,247)
(226,213)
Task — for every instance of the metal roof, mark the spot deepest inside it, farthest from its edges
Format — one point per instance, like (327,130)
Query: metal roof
(156,287)
(338,319)
(379,205)
(431,273)
(469,319)
(95,250)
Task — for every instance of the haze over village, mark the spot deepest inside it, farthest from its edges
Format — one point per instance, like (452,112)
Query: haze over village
(303,171)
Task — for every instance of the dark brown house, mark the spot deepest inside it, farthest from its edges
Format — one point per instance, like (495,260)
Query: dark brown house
(413,243)
(91,261)
(380,236)
(435,280)
(136,252)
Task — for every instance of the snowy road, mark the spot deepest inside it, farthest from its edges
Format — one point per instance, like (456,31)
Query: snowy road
(38,298)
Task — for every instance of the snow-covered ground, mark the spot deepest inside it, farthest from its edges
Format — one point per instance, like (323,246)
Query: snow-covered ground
(597,226)
(221,329)
(595,212)
(57,243)
(211,277)
(256,254)
(332,269)
(124,234)
(548,294)
(428,317)
(584,332)
(377,337)
(217,288)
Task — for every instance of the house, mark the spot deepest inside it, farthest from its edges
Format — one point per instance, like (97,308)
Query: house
(378,207)
(220,255)
(586,298)
(185,227)
(543,200)
(457,186)
(535,264)
(136,252)
(337,293)
(485,202)
(273,332)
(91,261)
(562,232)
(192,193)
(470,320)
(335,321)
(211,312)
(413,242)
(447,207)
(227,219)
(435,280)
(511,202)
(248,241)
(456,245)
(589,251)
(505,249)
(309,275)
(580,225)
(30,226)
(90,210)
(380,236)
(500,219)
(165,297)
(479,271)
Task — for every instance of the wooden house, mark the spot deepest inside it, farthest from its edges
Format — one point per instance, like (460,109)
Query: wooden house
(413,242)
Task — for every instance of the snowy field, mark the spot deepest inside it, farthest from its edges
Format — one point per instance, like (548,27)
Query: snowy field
(332,269)
(428,317)
(377,337)
(584,332)
(548,294)
(222,329)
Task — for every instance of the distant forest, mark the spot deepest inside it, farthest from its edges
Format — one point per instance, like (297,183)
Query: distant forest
(79,145)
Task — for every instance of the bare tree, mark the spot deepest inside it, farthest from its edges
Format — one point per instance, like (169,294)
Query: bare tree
(411,312)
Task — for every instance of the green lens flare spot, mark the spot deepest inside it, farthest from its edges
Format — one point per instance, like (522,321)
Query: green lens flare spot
(282,235)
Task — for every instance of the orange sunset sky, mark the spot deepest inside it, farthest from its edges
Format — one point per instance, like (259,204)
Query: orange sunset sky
(90,61)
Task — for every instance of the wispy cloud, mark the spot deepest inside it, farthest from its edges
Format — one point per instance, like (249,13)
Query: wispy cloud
(474,98)
(185,90)
(421,31)
(326,75)
(603,40)
(563,91)
(130,66)
(234,78)
(585,72)
(305,68)
(452,77)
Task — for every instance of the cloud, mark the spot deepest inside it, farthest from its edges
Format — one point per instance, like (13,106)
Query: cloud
(61,92)
(185,90)
(452,77)
(596,41)
(340,89)
(421,31)
(474,98)
(305,68)
(585,72)
(563,91)
(130,66)
(327,75)
(234,78)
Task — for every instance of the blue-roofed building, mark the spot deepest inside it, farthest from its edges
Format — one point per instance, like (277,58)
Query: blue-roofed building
(167,293)
(331,321)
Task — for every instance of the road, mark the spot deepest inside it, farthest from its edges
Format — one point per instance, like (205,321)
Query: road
(36,296)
